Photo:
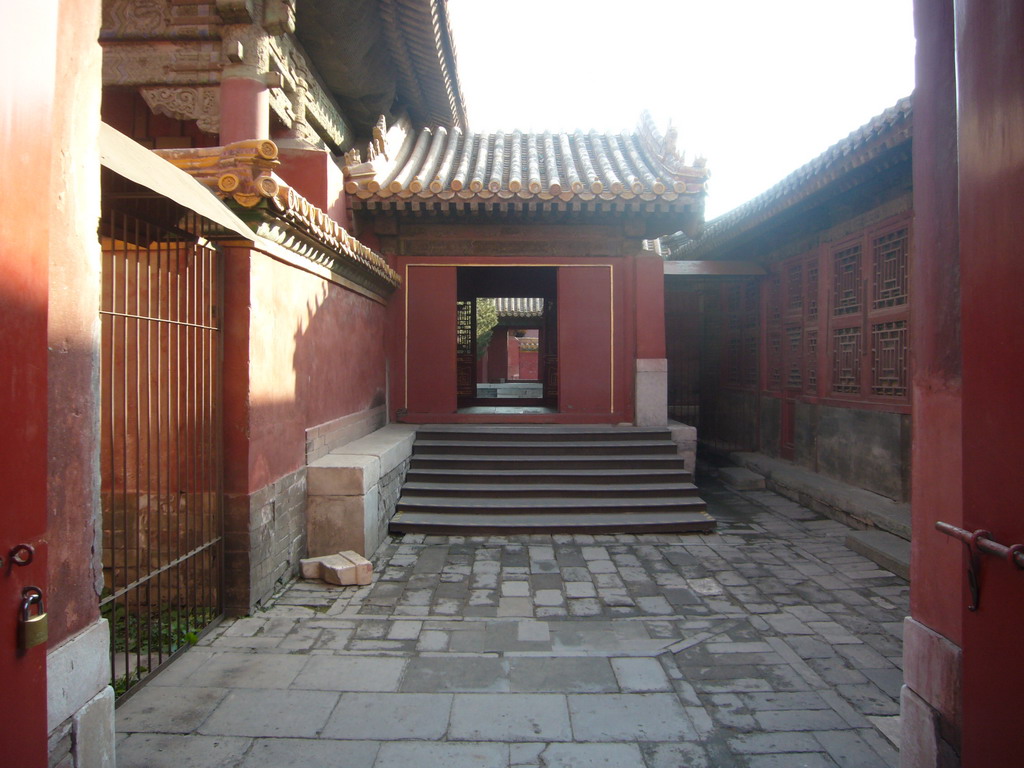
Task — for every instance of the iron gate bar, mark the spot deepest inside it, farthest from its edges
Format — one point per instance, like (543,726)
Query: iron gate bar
(978,543)
(982,541)
(161,444)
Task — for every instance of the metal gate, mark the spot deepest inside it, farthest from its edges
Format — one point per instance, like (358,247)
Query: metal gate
(161,464)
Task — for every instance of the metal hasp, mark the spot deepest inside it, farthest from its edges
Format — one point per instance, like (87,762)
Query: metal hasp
(32,630)
(978,543)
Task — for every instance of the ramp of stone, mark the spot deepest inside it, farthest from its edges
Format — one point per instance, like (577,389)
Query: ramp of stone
(547,479)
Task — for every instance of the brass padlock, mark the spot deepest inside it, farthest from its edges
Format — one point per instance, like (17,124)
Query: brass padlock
(32,630)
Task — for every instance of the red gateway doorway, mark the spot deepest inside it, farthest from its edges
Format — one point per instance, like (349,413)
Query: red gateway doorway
(580,353)
(507,340)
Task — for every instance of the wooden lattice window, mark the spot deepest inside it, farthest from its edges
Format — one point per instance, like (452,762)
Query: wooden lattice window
(794,356)
(774,299)
(794,289)
(464,328)
(751,292)
(846,356)
(889,359)
(811,361)
(774,361)
(847,289)
(890,274)
(811,302)
(732,362)
(750,361)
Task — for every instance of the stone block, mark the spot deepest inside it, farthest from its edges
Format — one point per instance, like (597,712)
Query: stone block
(77,670)
(94,732)
(685,438)
(343,475)
(651,395)
(337,523)
(342,569)
(391,446)
(889,551)
(740,479)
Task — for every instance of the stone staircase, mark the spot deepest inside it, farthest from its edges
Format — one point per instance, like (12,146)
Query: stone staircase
(547,479)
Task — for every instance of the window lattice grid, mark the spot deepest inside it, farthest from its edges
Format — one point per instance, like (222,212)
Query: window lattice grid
(794,289)
(794,356)
(774,299)
(774,359)
(811,362)
(750,361)
(846,356)
(751,292)
(846,281)
(733,362)
(890,273)
(811,302)
(889,359)
(464,328)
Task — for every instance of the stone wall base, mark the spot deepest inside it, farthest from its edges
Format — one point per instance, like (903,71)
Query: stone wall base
(264,538)
(80,701)
(930,710)
(685,438)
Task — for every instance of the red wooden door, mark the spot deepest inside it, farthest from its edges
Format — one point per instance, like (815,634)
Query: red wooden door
(585,378)
(430,362)
(990,79)
(28,40)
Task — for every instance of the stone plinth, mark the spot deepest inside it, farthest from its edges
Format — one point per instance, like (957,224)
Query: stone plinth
(353,490)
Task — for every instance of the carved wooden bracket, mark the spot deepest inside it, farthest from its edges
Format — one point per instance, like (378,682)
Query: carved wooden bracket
(201,104)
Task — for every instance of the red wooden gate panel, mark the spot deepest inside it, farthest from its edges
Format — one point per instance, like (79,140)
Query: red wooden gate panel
(28,37)
(430,363)
(585,345)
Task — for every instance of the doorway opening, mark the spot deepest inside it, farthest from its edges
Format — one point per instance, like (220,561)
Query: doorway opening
(507,340)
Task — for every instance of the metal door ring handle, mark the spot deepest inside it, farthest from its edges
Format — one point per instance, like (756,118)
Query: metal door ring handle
(23,554)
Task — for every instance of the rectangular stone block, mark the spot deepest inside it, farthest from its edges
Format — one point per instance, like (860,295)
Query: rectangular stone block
(362,568)
(343,475)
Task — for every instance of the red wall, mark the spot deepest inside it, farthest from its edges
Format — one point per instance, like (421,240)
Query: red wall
(298,351)
(74,327)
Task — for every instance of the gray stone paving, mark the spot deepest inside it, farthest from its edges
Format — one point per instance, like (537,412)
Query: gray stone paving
(766,644)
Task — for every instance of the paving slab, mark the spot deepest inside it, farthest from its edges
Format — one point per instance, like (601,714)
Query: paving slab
(510,717)
(629,717)
(350,673)
(270,712)
(389,716)
(447,754)
(164,750)
(562,674)
(304,753)
(438,674)
(168,709)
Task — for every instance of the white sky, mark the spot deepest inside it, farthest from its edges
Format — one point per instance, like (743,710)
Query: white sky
(757,86)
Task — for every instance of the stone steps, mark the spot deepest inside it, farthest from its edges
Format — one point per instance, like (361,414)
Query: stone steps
(521,479)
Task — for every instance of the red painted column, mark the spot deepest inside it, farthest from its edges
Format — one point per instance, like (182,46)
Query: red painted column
(650,306)
(933,634)
(244,109)
(236,431)
(990,98)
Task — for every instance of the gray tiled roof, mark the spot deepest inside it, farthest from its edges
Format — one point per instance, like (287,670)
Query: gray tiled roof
(881,133)
(437,164)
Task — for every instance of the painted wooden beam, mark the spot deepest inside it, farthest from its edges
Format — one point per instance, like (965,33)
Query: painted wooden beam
(713,268)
